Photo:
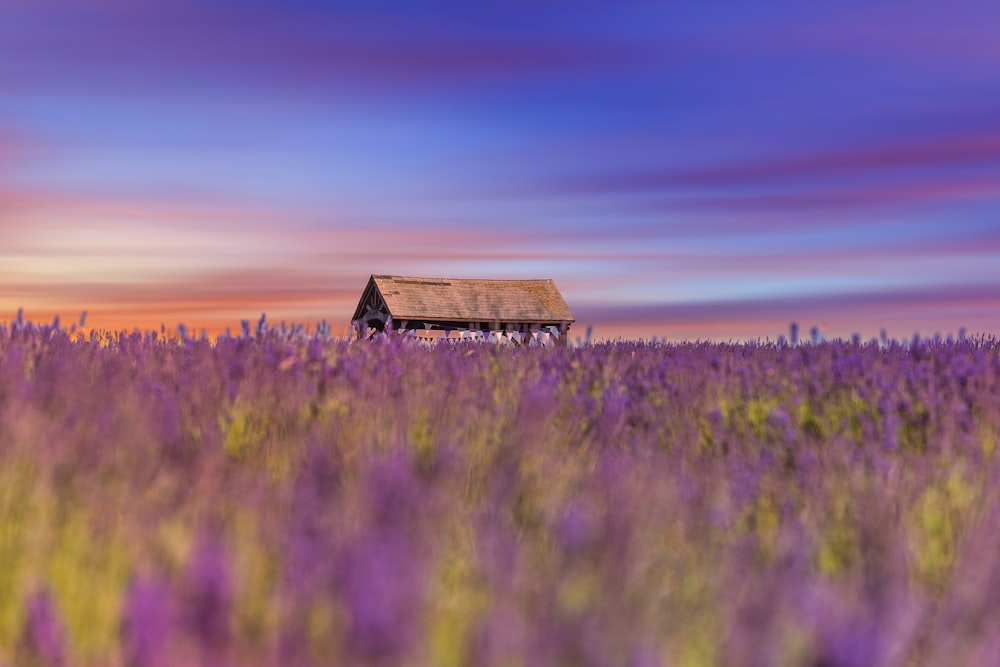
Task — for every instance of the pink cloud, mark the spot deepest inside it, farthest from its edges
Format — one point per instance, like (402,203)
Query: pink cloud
(867,196)
(215,300)
(974,306)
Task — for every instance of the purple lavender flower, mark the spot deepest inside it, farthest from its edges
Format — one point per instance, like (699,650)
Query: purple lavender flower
(851,643)
(43,640)
(209,596)
(580,527)
(643,655)
(147,622)
(382,589)
(627,503)
(501,636)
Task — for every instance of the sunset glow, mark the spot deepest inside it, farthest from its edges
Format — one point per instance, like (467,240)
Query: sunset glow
(684,172)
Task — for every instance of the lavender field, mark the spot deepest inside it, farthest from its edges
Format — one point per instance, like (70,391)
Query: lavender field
(281,498)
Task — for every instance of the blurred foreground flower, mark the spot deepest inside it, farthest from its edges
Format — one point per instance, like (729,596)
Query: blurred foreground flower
(43,642)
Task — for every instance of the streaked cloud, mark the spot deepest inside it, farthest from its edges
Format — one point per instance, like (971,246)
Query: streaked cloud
(164,45)
(921,153)
(689,169)
(902,312)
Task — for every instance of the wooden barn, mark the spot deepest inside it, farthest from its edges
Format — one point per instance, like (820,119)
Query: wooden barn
(432,308)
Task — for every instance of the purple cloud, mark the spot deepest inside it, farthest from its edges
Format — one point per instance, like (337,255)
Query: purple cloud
(934,152)
(902,311)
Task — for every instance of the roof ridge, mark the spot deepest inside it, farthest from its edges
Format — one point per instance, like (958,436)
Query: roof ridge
(424,279)
(473,299)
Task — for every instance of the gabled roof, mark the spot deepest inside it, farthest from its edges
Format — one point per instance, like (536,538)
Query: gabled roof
(472,300)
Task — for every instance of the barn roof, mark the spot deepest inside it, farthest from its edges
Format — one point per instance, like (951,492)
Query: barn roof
(472,300)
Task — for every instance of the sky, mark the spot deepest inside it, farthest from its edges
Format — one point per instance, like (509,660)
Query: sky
(684,170)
